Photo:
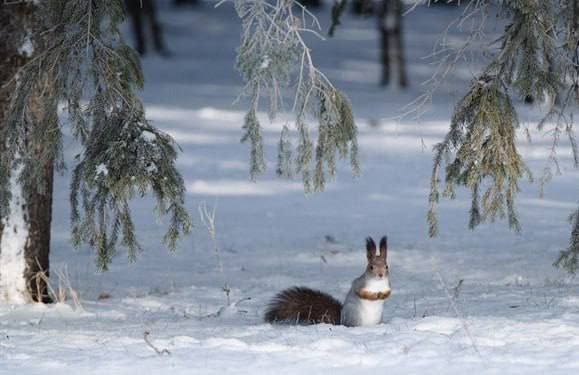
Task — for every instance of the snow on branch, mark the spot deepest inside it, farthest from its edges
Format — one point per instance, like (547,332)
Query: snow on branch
(273,57)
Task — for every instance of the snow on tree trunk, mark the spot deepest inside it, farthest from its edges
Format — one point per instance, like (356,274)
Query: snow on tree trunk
(12,244)
(25,227)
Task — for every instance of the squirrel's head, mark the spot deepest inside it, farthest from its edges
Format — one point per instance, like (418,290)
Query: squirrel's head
(377,264)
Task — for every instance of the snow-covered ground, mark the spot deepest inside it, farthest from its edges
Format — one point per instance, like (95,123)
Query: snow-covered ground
(513,314)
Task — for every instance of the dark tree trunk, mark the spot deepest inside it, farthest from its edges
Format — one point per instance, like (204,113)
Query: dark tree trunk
(185,2)
(384,28)
(363,7)
(142,12)
(392,53)
(574,38)
(15,19)
(311,3)
(39,212)
(37,248)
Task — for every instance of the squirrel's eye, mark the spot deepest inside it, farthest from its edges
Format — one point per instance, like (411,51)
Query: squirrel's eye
(371,268)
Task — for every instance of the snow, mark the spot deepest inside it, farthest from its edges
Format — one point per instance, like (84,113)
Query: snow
(12,242)
(102,169)
(27,48)
(241,188)
(521,313)
(265,62)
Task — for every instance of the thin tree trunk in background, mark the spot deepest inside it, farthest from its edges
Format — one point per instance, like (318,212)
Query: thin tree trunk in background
(399,49)
(362,7)
(36,202)
(383,29)
(144,12)
(134,10)
(185,2)
(310,3)
(392,53)
(574,31)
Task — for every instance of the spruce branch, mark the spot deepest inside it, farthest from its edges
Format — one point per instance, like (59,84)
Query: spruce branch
(479,153)
(481,139)
(569,258)
(272,46)
(81,60)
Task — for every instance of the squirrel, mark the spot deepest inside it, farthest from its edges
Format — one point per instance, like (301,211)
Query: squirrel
(363,305)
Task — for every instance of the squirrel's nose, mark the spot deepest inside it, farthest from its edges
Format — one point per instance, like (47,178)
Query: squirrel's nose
(381,274)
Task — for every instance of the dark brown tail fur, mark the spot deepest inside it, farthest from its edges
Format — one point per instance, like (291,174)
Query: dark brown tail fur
(301,305)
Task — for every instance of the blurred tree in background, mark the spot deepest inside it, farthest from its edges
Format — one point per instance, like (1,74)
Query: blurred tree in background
(143,13)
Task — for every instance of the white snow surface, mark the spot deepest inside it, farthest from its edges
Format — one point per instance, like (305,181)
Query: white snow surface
(516,314)
(13,240)
(27,48)
(102,169)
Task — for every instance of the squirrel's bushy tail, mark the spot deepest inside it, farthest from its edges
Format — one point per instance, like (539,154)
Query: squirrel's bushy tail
(301,305)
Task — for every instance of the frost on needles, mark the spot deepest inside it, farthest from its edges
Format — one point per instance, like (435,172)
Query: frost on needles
(272,57)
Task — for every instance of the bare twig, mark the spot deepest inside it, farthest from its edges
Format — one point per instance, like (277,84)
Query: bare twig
(64,289)
(224,308)
(208,218)
(456,290)
(458,313)
(148,342)
(448,56)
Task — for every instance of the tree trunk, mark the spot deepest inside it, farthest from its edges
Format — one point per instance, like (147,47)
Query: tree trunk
(574,38)
(39,213)
(142,12)
(399,47)
(25,232)
(383,29)
(185,2)
(390,29)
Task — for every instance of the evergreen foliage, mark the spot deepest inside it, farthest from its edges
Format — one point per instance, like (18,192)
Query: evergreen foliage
(81,60)
(537,58)
(479,153)
(273,56)
(569,258)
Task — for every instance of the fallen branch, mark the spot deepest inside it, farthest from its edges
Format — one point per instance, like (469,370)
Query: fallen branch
(148,342)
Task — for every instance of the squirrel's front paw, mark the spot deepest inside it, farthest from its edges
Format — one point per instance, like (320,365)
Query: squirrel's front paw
(373,296)
(384,295)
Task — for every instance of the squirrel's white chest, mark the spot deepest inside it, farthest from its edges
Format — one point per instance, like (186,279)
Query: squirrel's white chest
(371,312)
(358,312)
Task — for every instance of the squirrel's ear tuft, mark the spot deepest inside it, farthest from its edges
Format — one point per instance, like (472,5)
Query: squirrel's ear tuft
(383,247)
(370,248)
